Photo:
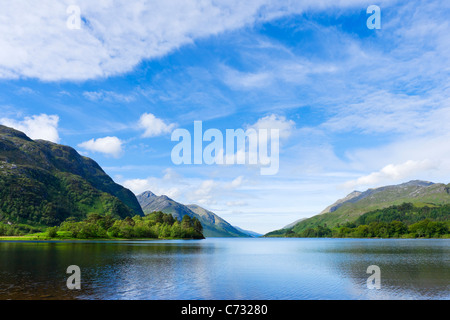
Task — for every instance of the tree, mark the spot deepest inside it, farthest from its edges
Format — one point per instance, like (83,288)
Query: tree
(129,221)
(198,225)
(186,222)
(52,232)
(361,231)
(436,229)
(398,228)
(419,229)
(176,231)
(159,217)
(309,233)
(290,233)
(168,219)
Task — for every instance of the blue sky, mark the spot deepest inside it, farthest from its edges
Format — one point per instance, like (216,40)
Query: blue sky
(357,108)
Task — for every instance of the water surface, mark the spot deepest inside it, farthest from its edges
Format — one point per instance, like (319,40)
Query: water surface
(217,269)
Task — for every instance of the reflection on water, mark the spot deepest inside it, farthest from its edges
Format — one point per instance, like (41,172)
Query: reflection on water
(227,269)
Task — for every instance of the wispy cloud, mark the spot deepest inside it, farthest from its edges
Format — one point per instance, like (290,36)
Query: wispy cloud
(116,35)
(109,96)
(114,38)
(386,112)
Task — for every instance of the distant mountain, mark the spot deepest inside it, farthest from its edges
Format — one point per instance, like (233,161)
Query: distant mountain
(355,204)
(213,225)
(43,183)
(150,203)
(251,234)
(216,226)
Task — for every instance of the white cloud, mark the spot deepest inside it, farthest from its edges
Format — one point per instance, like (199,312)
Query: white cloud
(206,191)
(116,35)
(171,175)
(393,173)
(211,192)
(41,126)
(274,121)
(237,182)
(171,184)
(185,190)
(155,185)
(154,126)
(111,146)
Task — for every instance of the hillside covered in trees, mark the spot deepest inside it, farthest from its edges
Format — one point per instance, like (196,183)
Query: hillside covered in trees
(43,183)
(402,221)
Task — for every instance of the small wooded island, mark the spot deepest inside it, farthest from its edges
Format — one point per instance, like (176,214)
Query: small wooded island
(156,225)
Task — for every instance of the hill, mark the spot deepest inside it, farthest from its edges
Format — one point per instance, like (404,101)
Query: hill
(402,221)
(213,225)
(349,209)
(44,183)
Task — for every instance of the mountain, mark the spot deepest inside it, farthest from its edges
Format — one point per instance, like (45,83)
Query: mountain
(339,202)
(348,209)
(216,226)
(213,225)
(251,234)
(150,202)
(43,183)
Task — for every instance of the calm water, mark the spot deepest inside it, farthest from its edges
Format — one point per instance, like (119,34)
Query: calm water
(218,269)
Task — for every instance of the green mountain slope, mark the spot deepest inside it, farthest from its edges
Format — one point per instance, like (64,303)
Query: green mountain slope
(213,225)
(346,210)
(43,183)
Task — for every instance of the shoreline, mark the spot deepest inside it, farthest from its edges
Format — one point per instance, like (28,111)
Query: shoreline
(25,238)
(29,239)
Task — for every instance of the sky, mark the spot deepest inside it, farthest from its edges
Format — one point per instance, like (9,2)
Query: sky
(356,108)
